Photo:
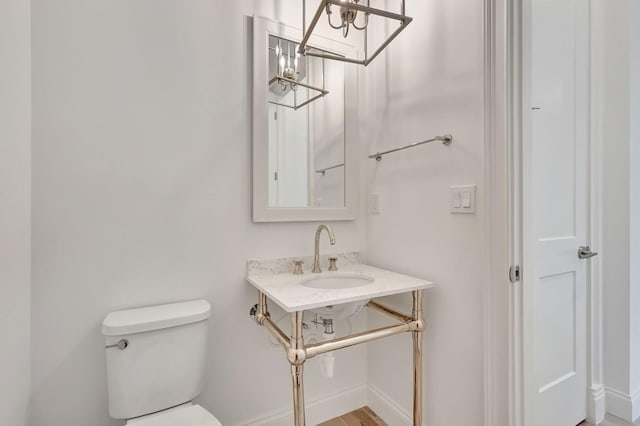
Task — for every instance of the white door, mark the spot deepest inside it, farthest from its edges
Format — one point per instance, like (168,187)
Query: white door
(555,189)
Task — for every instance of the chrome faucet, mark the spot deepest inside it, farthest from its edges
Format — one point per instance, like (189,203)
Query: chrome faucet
(316,254)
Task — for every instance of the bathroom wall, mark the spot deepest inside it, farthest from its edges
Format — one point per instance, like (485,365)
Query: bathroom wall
(620,202)
(14,211)
(615,160)
(429,82)
(142,195)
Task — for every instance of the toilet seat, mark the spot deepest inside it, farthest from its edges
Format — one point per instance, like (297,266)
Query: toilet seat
(186,415)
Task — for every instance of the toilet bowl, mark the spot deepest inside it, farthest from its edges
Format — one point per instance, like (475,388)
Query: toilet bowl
(155,364)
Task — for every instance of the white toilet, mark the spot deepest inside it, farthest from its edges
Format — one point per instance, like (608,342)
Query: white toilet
(155,364)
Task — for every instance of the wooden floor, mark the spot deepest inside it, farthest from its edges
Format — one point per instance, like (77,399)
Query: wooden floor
(361,417)
(366,417)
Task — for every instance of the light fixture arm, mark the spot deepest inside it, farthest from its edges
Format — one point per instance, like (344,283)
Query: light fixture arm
(329,13)
(366,22)
(348,17)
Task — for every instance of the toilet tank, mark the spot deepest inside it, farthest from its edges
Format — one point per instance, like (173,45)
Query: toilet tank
(163,363)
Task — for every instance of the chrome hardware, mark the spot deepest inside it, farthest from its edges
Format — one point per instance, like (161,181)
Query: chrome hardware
(332,263)
(316,253)
(584,252)
(324,171)
(297,267)
(122,345)
(514,273)
(326,323)
(253,311)
(445,139)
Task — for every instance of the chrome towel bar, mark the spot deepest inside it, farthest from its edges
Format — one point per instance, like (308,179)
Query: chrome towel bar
(324,171)
(445,139)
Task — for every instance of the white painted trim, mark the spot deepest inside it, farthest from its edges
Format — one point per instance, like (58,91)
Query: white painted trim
(596,401)
(488,329)
(514,129)
(496,215)
(596,405)
(526,219)
(623,405)
(387,408)
(319,410)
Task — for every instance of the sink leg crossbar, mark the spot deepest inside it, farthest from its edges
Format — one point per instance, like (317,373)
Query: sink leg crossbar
(298,352)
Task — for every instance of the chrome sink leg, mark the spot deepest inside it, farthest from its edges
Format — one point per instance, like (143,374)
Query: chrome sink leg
(298,395)
(417,357)
(297,356)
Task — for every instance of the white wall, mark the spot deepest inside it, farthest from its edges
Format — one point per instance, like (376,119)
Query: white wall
(621,201)
(142,195)
(15,216)
(615,162)
(429,82)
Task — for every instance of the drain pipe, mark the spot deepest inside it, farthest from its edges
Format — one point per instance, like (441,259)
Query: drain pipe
(327,360)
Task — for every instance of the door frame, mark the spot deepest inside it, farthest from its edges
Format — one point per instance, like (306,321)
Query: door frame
(504,31)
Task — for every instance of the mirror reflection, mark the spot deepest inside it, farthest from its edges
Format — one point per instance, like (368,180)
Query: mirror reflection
(306,141)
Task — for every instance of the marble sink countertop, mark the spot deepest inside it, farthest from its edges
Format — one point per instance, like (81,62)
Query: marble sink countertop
(274,278)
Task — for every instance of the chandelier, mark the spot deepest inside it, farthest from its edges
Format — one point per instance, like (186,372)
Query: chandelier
(345,15)
(287,74)
(292,77)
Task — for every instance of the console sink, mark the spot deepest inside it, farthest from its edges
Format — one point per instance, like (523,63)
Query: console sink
(338,281)
(336,293)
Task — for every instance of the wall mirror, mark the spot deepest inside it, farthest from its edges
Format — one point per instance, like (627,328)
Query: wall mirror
(304,128)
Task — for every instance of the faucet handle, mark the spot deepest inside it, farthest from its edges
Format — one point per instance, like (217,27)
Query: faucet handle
(297,267)
(332,263)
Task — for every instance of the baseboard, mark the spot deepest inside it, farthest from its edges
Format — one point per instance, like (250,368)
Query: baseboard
(387,408)
(627,407)
(319,410)
(596,405)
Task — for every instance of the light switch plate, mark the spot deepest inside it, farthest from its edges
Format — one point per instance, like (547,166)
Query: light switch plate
(463,199)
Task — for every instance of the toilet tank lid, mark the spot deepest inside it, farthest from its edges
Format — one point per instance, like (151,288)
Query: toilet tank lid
(150,318)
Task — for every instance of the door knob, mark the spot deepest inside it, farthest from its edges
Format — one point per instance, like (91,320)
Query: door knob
(584,252)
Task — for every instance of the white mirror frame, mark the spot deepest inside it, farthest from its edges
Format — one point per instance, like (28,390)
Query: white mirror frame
(261,211)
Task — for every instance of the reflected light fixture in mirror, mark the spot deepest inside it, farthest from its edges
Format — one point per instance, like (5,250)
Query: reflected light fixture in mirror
(294,81)
(370,22)
(304,159)
(305,139)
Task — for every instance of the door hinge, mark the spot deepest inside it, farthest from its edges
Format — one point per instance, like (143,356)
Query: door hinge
(514,273)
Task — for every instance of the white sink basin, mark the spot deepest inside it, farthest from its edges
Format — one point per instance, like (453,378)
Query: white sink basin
(335,282)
